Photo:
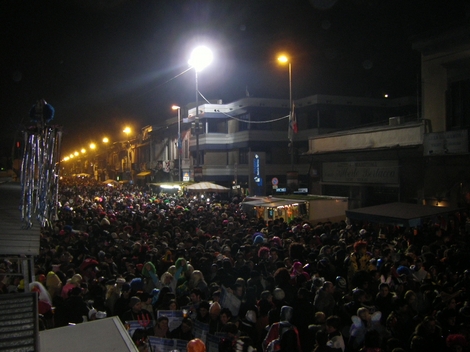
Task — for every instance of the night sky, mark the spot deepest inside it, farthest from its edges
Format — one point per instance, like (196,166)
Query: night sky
(106,64)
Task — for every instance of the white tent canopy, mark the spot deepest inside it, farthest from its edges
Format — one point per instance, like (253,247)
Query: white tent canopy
(207,187)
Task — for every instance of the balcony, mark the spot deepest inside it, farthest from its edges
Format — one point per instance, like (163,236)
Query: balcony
(395,134)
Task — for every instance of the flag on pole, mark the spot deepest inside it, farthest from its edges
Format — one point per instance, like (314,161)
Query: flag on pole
(292,123)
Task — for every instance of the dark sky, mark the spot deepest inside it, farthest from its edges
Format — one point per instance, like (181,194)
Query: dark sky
(104,64)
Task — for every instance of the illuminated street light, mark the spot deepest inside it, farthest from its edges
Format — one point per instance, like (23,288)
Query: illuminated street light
(200,58)
(285,60)
(105,140)
(92,146)
(175,107)
(83,151)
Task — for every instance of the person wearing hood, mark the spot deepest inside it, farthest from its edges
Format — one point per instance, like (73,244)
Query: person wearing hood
(136,312)
(54,287)
(276,330)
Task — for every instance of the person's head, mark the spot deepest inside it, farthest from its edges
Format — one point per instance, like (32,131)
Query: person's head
(225,315)
(197,276)
(126,290)
(320,318)
(418,343)
(196,345)
(186,325)
(203,309)
(166,278)
(216,295)
(172,304)
(410,297)
(162,322)
(214,310)
(267,295)
(274,253)
(384,289)
(195,295)
(333,323)
(360,247)
(238,290)
(456,342)
(400,305)
(363,313)
(359,295)
(136,304)
(140,339)
(286,314)
(328,287)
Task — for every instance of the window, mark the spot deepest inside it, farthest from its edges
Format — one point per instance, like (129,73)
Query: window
(243,156)
(244,126)
(215,126)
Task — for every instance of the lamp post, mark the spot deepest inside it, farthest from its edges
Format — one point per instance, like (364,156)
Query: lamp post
(104,163)
(127,131)
(93,160)
(200,58)
(284,59)
(175,107)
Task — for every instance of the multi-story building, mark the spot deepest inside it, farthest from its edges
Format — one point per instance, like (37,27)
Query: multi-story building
(373,151)
(246,142)
(424,160)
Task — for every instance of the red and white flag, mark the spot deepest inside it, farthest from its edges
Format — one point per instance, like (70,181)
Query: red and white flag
(292,123)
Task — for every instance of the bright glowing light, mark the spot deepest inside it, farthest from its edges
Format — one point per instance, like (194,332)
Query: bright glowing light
(75,153)
(283,59)
(170,186)
(105,140)
(92,145)
(66,158)
(71,156)
(175,107)
(83,151)
(200,58)
(127,130)
(385,95)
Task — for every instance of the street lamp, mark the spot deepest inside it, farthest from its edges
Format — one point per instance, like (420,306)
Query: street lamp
(104,163)
(127,131)
(175,107)
(200,58)
(284,59)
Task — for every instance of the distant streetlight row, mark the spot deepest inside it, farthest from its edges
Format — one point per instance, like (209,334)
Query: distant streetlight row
(92,146)
(200,58)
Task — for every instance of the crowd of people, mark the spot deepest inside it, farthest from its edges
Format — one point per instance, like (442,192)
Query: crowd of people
(126,251)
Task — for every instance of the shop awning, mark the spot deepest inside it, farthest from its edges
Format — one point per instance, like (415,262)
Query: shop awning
(144,173)
(269,202)
(399,214)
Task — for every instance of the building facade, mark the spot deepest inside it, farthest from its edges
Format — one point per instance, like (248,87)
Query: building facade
(423,159)
(245,143)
